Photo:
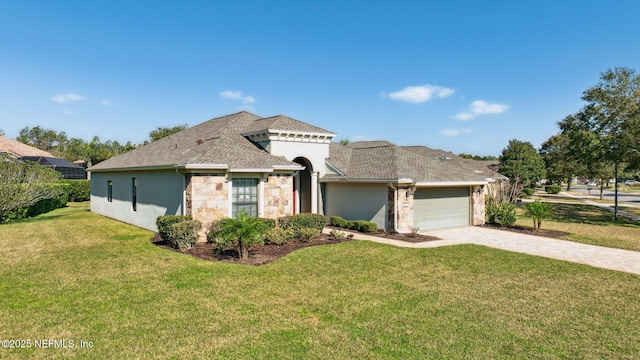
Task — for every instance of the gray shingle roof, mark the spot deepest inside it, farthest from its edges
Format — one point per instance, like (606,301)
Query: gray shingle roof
(382,160)
(217,141)
(282,122)
(480,167)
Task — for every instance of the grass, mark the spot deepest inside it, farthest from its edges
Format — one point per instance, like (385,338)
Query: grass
(590,225)
(73,275)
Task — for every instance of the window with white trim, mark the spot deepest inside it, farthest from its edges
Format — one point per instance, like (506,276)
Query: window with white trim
(244,197)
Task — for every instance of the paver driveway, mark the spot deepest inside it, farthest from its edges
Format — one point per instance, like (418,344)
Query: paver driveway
(597,256)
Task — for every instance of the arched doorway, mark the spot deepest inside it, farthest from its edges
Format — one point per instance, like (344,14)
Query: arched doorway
(302,187)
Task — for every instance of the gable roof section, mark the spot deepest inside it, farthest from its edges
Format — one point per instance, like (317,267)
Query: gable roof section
(384,161)
(217,143)
(284,123)
(18,149)
(479,167)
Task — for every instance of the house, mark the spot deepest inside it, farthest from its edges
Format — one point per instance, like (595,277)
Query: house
(277,166)
(21,151)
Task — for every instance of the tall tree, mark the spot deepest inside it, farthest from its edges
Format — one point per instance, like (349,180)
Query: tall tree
(43,139)
(558,159)
(521,163)
(162,132)
(607,129)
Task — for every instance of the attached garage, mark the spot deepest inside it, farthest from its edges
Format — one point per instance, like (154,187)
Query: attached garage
(443,207)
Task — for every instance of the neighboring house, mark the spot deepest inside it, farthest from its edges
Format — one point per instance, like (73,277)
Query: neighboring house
(278,166)
(22,151)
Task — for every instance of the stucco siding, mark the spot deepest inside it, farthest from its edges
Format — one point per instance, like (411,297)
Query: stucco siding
(157,193)
(358,202)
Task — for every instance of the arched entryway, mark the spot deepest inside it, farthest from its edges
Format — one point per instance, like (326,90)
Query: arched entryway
(304,187)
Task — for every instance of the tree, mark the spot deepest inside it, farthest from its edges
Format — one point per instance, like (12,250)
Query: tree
(477,157)
(1,132)
(521,163)
(162,132)
(43,139)
(344,141)
(559,161)
(606,130)
(538,210)
(243,231)
(24,183)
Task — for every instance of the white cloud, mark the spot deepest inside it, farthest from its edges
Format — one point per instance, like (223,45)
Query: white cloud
(454,132)
(237,95)
(106,102)
(67,98)
(420,94)
(247,100)
(230,94)
(480,107)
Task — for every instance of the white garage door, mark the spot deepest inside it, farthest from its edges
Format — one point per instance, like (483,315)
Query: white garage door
(439,208)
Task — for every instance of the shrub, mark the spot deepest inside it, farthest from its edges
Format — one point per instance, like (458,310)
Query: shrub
(165,222)
(367,226)
(538,211)
(337,234)
(527,191)
(58,200)
(268,223)
(552,189)
(79,190)
(243,232)
(307,234)
(503,213)
(337,221)
(306,220)
(184,235)
(279,236)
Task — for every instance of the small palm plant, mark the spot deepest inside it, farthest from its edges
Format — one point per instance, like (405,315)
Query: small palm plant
(538,211)
(244,231)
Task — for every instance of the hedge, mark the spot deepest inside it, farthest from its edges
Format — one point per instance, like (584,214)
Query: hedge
(43,206)
(357,225)
(79,190)
(552,189)
(299,221)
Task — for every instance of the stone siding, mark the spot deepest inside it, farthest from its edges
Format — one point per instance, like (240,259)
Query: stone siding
(405,210)
(477,205)
(207,199)
(278,196)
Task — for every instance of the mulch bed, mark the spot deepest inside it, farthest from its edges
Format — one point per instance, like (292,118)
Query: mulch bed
(264,254)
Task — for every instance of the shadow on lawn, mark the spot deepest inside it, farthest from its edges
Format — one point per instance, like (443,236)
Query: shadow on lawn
(586,214)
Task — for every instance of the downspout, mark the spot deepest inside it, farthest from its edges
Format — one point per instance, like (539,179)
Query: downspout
(395,207)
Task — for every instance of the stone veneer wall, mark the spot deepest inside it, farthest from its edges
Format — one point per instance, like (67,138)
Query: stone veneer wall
(477,205)
(207,199)
(278,196)
(405,210)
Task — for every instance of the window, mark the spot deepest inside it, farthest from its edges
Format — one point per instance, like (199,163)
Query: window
(134,194)
(245,197)
(109,191)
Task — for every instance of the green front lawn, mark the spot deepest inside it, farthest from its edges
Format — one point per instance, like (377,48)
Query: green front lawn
(590,225)
(73,275)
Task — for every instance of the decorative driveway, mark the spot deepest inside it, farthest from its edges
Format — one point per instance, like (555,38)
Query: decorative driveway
(597,256)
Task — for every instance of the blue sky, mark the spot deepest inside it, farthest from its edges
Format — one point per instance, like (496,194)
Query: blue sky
(464,76)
